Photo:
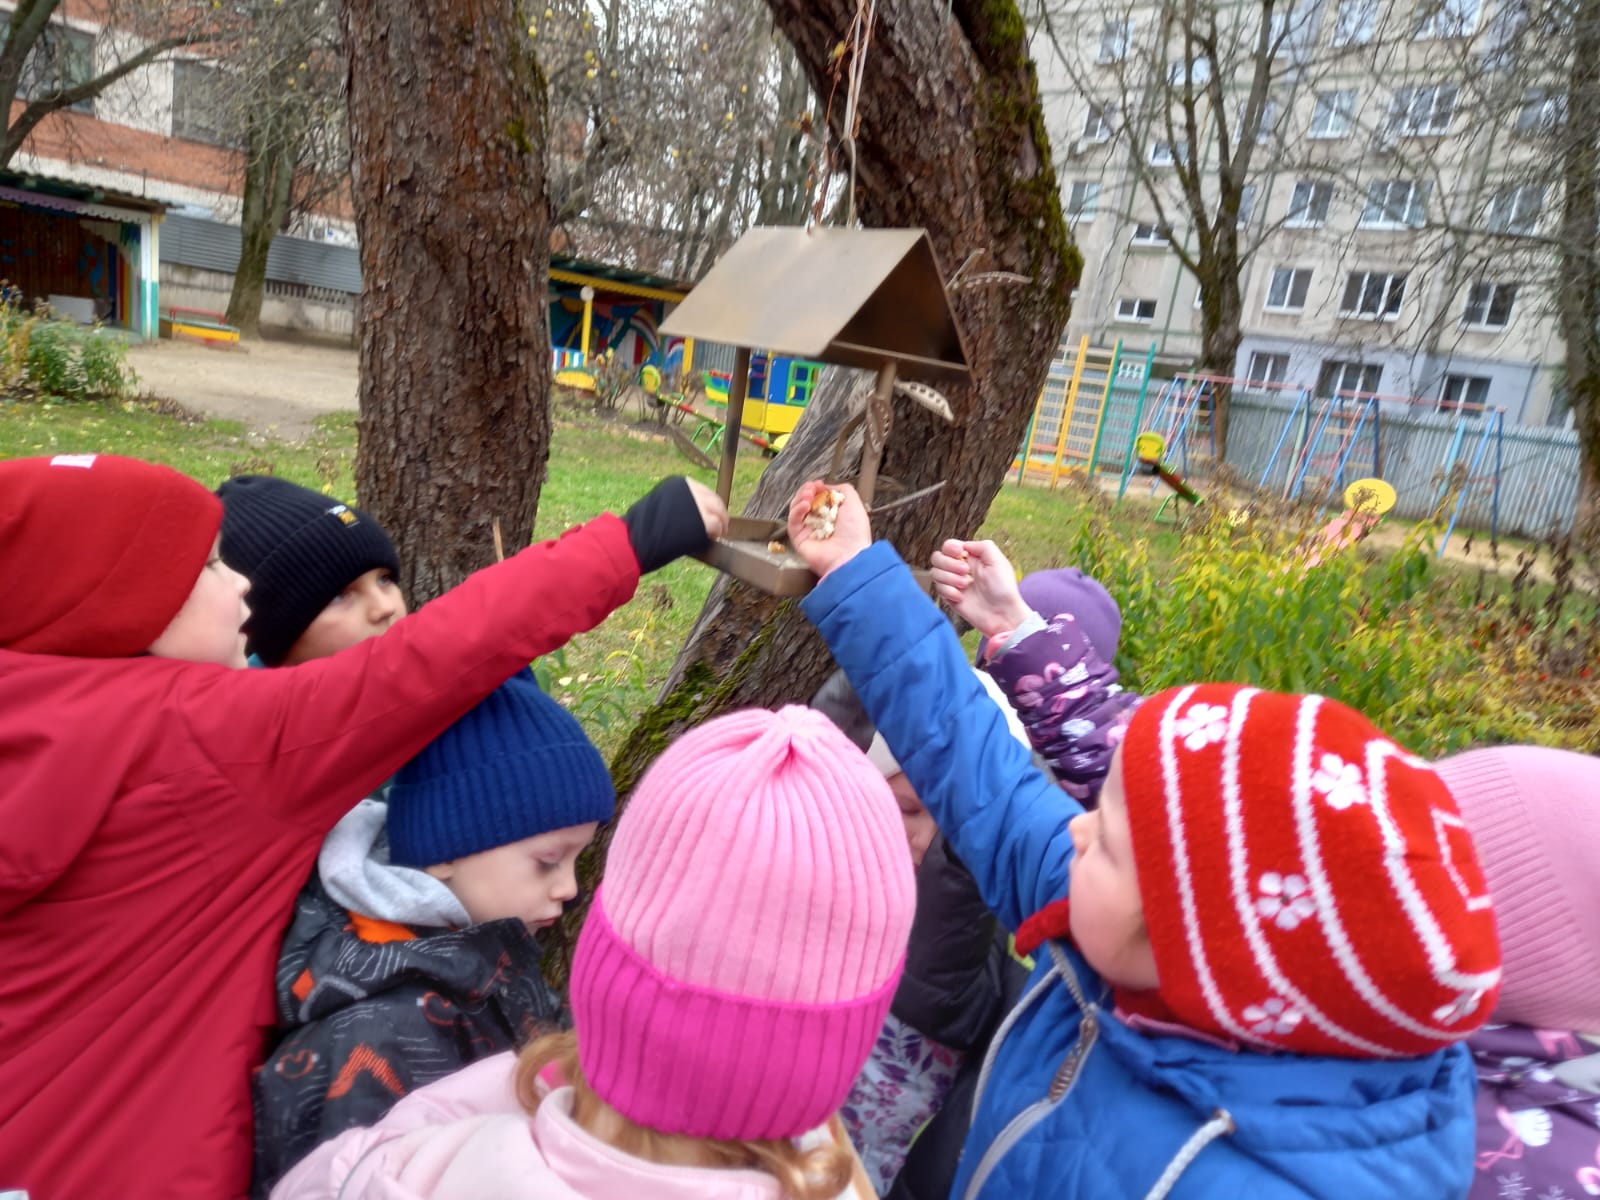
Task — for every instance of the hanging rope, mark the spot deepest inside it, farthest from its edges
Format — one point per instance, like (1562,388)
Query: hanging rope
(849,67)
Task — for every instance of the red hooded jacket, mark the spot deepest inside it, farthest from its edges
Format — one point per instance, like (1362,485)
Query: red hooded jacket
(156,821)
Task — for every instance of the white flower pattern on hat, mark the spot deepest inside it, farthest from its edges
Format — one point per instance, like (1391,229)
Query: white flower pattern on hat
(1274,1015)
(1339,782)
(1285,899)
(1203,725)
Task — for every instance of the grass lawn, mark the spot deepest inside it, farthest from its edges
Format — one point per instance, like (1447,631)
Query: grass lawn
(594,466)
(606,676)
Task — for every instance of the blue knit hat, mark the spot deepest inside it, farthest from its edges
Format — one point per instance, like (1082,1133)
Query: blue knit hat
(516,766)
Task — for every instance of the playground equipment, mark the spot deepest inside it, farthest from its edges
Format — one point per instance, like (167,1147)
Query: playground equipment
(1150,447)
(201,324)
(1491,430)
(1183,419)
(872,298)
(1330,439)
(779,389)
(1090,404)
(1365,501)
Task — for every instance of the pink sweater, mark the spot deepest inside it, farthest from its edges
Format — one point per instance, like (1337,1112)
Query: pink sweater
(467,1138)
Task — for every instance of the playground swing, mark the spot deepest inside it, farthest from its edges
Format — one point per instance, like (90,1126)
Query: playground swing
(1150,447)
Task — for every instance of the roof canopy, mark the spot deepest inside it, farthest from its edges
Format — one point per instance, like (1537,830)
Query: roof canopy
(620,281)
(855,297)
(65,195)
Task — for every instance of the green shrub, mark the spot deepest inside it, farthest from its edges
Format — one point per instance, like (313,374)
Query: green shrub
(1385,634)
(45,358)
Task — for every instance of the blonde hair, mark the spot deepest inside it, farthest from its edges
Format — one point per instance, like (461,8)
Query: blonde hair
(821,1173)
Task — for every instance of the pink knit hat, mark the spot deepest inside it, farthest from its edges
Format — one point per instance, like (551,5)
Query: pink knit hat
(1535,816)
(739,959)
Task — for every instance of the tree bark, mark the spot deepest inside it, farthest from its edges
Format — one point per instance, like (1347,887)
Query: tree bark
(1579,266)
(952,140)
(448,129)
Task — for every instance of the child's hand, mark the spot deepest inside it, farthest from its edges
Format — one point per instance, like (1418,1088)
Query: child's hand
(851,532)
(712,510)
(976,580)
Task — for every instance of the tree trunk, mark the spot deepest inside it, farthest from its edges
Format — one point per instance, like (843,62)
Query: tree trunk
(268,180)
(1221,311)
(447,129)
(952,140)
(1579,270)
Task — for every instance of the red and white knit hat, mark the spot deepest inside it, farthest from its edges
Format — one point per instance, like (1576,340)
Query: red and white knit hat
(1307,884)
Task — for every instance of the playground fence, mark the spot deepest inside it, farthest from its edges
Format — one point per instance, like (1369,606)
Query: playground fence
(1539,470)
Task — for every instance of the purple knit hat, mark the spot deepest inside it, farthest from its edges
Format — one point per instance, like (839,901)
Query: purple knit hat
(1535,816)
(739,959)
(1068,590)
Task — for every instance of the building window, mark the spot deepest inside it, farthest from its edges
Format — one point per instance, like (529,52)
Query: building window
(1489,305)
(1083,200)
(1334,114)
(62,58)
(1247,204)
(1165,154)
(1115,39)
(1466,394)
(1395,204)
(1515,208)
(1269,122)
(1141,312)
(1268,368)
(1423,111)
(1372,295)
(1097,123)
(1543,110)
(1308,207)
(199,103)
(1447,19)
(1287,291)
(1192,72)
(1150,234)
(1355,22)
(1340,375)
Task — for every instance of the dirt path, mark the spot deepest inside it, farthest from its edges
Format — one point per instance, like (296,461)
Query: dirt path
(276,388)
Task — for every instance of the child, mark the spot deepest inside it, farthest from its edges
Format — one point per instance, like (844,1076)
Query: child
(965,1019)
(1535,815)
(414,949)
(1278,929)
(731,976)
(160,811)
(323,575)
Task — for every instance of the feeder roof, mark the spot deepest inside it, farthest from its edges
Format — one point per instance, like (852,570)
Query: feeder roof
(855,297)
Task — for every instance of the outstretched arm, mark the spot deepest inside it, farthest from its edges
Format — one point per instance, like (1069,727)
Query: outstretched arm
(1007,822)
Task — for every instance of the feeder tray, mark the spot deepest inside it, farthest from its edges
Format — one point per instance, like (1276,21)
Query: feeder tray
(869,298)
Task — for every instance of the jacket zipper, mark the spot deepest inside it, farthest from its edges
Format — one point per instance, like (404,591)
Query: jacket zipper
(1060,1085)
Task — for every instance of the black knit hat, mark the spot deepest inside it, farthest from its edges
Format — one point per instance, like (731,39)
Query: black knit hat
(299,549)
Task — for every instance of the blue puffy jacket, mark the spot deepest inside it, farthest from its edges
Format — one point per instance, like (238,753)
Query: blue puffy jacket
(1073,1102)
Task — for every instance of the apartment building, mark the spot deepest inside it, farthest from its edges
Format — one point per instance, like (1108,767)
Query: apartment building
(159,132)
(1393,209)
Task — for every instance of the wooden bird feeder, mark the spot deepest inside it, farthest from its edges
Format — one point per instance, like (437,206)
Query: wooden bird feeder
(869,298)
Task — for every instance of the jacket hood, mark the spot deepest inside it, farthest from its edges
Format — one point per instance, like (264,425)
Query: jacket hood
(356,871)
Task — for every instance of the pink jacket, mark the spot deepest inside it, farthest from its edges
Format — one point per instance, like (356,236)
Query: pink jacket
(467,1138)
